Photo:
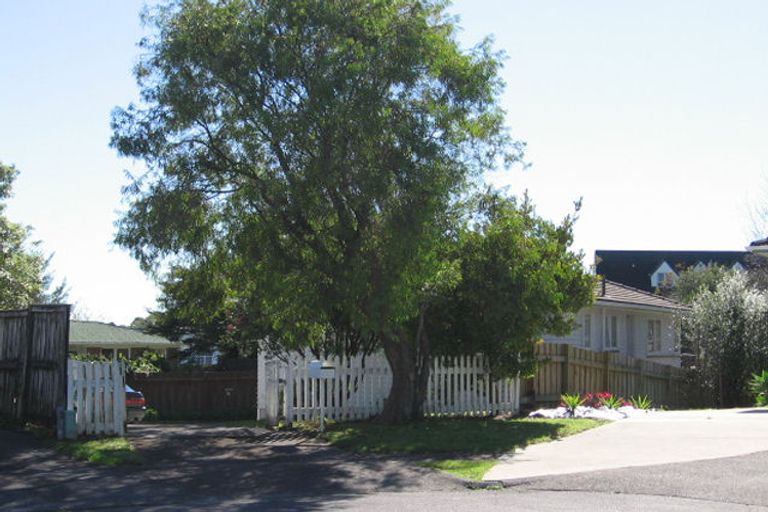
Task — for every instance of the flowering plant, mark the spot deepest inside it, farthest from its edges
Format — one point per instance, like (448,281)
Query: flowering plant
(595,400)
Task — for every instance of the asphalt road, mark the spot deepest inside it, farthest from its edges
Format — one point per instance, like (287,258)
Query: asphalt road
(249,472)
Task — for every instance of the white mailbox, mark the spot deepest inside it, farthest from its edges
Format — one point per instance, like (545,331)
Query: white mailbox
(321,370)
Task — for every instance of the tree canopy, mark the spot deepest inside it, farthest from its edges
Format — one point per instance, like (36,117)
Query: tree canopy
(24,278)
(313,160)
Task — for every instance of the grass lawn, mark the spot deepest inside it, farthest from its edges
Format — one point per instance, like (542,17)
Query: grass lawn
(110,451)
(446,436)
(476,438)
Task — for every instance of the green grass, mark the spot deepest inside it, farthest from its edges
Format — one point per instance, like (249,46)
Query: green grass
(110,451)
(447,436)
(471,469)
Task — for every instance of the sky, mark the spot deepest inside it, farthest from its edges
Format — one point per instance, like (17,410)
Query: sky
(654,112)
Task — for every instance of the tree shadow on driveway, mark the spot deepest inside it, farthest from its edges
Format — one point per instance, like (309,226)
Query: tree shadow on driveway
(204,471)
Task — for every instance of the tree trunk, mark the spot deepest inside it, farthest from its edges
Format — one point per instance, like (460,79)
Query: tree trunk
(409,359)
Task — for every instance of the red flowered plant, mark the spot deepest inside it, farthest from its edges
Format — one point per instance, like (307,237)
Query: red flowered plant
(599,399)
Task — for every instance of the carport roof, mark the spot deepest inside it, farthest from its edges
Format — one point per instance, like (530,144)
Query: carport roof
(104,335)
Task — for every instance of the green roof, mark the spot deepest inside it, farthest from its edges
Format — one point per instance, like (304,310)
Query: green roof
(100,334)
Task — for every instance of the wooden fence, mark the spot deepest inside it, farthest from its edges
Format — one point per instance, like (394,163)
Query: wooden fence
(33,362)
(96,392)
(569,369)
(457,386)
(199,394)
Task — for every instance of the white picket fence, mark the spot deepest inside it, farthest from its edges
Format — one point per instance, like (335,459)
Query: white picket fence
(457,386)
(96,392)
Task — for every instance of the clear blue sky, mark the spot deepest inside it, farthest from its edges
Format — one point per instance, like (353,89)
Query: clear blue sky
(655,112)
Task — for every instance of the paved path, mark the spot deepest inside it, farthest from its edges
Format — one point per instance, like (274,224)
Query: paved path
(658,438)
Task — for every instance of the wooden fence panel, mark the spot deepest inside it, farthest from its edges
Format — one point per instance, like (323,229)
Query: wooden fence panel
(33,362)
(199,394)
(569,369)
(96,393)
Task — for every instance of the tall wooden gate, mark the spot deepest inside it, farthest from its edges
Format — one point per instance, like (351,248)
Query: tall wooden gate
(33,362)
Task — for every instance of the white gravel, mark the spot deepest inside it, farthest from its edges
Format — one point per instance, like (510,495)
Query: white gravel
(602,413)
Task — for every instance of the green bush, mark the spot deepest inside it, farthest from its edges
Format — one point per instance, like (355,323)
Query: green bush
(641,402)
(571,402)
(612,401)
(151,414)
(759,387)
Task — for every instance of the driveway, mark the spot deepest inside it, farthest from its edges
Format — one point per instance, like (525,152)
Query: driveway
(657,438)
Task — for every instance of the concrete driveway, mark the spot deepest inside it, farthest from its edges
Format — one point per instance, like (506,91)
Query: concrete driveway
(658,438)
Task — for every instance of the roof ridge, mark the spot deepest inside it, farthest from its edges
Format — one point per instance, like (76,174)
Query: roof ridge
(643,292)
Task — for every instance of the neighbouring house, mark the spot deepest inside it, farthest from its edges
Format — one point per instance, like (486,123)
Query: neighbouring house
(653,270)
(110,340)
(628,321)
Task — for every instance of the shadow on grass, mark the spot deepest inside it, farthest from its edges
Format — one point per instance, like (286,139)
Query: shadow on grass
(453,436)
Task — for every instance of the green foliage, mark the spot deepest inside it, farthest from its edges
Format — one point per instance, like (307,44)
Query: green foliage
(612,401)
(726,329)
(571,402)
(151,414)
(692,282)
(759,388)
(641,402)
(517,280)
(434,436)
(149,362)
(21,263)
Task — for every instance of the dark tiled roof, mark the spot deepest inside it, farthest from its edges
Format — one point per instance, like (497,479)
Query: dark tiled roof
(634,268)
(608,291)
(101,334)
(759,243)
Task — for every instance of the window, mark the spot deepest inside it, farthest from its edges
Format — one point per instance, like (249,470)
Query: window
(654,335)
(612,332)
(586,331)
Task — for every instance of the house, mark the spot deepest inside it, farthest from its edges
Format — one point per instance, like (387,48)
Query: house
(628,321)
(651,270)
(110,340)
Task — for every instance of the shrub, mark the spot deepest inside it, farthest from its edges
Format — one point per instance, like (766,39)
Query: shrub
(641,402)
(595,400)
(571,402)
(151,414)
(759,387)
(612,401)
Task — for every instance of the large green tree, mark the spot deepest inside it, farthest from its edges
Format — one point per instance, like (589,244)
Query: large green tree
(22,266)
(315,152)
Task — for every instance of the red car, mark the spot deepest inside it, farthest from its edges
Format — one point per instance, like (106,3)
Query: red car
(135,405)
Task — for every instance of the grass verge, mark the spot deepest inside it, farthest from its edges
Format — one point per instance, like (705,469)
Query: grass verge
(478,438)
(110,451)
(471,469)
(447,436)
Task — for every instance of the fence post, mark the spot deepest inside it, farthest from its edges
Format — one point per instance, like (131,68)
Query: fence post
(261,385)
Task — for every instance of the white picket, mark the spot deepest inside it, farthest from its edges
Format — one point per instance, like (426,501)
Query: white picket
(96,393)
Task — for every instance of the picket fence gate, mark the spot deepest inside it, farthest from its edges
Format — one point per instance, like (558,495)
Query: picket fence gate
(96,392)
(456,386)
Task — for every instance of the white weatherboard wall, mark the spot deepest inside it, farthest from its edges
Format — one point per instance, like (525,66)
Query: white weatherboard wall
(96,392)
(457,386)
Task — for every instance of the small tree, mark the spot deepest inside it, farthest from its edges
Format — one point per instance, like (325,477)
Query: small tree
(727,331)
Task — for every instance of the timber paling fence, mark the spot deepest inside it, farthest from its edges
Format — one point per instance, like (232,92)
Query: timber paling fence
(458,386)
(33,362)
(199,394)
(569,369)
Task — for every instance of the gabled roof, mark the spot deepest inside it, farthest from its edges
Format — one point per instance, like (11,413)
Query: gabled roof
(634,268)
(100,334)
(617,293)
